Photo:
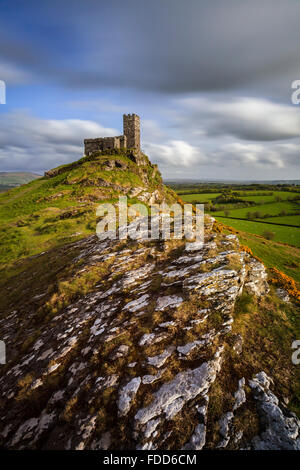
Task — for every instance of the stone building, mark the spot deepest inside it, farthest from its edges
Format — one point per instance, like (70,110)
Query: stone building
(129,140)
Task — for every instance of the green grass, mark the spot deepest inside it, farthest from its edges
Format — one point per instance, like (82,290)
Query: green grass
(272,209)
(273,254)
(258,196)
(255,196)
(269,326)
(49,212)
(287,220)
(265,203)
(276,252)
(289,235)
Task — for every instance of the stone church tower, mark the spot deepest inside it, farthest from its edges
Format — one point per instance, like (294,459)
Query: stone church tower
(129,140)
(131,130)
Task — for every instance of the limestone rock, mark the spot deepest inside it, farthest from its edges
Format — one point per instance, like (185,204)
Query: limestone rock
(283,295)
(281,426)
(127,394)
(256,281)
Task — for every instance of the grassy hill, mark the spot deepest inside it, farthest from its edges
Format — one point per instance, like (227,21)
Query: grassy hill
(61,207)
(83,320)
(12,179)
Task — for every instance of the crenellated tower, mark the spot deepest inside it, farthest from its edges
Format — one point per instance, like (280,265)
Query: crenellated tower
(131,130)
(129,140)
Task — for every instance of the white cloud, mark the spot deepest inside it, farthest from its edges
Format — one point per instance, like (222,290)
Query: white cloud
(246,118)
(253,155)
(175,153)
(35,144)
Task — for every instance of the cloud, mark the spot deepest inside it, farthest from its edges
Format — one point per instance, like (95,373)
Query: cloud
(33,144)
(245,118)
(167,47)
(30,143)
(236,155)
(175,153)
(220,153)
(211,81)
(252,155)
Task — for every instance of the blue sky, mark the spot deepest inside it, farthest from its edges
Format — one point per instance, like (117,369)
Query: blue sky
(211,81)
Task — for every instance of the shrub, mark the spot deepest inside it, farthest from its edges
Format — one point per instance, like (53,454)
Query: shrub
(281,279)
(268,235)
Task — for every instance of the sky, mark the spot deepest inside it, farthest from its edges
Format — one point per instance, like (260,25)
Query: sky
(211,81)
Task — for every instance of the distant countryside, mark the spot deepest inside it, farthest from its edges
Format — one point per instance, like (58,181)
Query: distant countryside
(266,216)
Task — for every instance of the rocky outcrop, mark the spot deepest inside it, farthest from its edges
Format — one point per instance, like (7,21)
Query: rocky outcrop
(281,426)
(140,352)
(257,278)
(110,174)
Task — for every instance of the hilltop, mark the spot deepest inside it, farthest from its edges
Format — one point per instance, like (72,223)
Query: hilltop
(61,206)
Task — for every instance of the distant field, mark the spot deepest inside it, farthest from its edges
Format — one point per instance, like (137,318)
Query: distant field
(288,235)
(258,196)
(12,179)
(272,208)
(277,206)
(283,251)
(199,197)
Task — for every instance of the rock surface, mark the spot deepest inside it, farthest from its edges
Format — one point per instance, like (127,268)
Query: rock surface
(281,427)
(133,362)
